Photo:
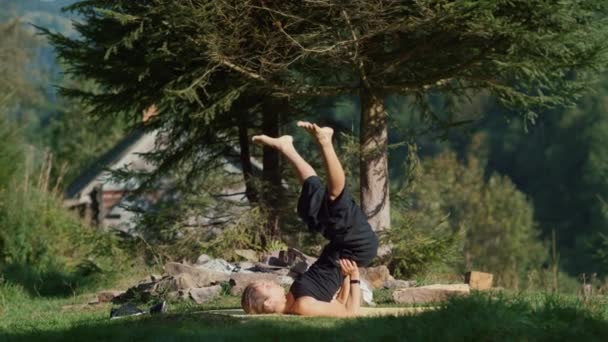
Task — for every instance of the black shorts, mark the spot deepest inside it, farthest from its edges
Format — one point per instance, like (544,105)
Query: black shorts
(350,236)
(341,221)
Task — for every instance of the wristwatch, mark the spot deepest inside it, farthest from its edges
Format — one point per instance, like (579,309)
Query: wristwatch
(355,281)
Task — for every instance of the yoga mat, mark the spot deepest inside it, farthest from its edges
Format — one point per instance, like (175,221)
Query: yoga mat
(365,312)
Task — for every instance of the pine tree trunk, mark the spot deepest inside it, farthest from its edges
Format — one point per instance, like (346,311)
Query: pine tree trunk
(270,160)
(245,158)
(374,160)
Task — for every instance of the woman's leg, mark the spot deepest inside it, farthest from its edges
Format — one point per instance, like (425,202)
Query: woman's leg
(362,244)
(335,173)
(284,145)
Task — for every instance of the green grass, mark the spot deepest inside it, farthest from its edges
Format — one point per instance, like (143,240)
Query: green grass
(479,317)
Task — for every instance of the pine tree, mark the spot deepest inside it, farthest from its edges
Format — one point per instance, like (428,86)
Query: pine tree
(16,46)
(142,53)
(76,139)
(196,58)
(530,55)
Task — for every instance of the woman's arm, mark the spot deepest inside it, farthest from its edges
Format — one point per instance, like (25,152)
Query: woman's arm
(308,306)
(354,299)
(342,296)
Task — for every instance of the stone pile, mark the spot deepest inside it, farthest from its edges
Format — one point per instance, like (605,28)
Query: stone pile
(474,280)
(209,277)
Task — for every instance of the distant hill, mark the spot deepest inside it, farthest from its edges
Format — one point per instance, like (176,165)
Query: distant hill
(48,14)
(45,13)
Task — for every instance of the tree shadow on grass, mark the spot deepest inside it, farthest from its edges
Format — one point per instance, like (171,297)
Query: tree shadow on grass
(51,282)
(464,319)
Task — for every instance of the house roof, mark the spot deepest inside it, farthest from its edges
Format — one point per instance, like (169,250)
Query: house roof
(121,151)
(102,163)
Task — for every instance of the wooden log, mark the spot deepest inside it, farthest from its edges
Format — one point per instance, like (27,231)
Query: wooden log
(479,280)
(429,294)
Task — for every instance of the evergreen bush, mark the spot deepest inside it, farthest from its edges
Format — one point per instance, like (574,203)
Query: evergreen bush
(453,214)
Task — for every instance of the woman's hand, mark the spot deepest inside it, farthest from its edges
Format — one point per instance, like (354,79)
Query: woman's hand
(349,268)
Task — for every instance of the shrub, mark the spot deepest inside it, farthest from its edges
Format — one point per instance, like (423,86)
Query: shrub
(42,246)
(488,222)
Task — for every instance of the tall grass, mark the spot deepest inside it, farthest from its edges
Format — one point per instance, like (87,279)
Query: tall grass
(43,247)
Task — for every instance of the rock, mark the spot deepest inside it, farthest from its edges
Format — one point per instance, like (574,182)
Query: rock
(201,277)
(264,268)
(275,258)
(384,251)
(284,258)
(108,296)
(149,286)
(294,256)
(146,280)
(217,265)
(247,254)
(203,258)
(479,280)
(285,280)
(271,254)
(204,294)
(152,278)
(175,296)
(155,277)
(274,261)
(450,287)
(141,292)
(287,258)
(240,280)
(199,295)
(376,276)
(281,272)
(272,258)
(399,284)
(181,281)
(429,294)
(93,301)
(300,267)
(243,266)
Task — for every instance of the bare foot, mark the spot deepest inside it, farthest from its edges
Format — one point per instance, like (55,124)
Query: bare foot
(280,143)
(322,134)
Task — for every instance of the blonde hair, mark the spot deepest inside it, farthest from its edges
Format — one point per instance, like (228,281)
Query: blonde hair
(253,299)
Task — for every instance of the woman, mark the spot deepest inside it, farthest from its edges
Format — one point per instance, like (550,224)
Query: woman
(332,212)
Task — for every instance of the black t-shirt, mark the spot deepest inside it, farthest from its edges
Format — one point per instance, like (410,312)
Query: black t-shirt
(345,226)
